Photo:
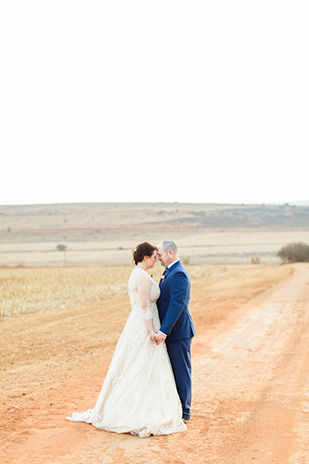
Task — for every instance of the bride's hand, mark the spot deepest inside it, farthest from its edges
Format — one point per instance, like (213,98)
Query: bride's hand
(153,337)
(160,338)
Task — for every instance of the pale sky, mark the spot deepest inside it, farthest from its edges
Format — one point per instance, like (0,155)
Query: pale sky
(188,101)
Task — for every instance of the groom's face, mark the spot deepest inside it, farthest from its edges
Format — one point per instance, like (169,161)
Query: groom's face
(164,257)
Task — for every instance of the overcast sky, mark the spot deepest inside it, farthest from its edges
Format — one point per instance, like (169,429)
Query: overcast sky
(188,101)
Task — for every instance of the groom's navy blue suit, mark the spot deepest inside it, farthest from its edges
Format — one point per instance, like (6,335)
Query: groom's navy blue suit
(177,324)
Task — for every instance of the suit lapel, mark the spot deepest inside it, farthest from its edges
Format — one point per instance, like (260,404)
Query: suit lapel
(175,266)
(169,271)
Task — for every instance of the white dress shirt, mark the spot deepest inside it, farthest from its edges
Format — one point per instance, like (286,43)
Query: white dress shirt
(172,264)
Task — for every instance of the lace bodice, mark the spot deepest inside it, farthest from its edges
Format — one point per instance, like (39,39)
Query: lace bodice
(141,280)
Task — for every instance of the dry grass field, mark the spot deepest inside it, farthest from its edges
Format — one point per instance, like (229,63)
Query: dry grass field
(26,290)
(209,247)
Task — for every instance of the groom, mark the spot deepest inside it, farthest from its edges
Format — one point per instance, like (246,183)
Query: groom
(176,322)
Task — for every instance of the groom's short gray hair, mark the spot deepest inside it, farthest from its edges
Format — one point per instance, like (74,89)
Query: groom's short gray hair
(169,245)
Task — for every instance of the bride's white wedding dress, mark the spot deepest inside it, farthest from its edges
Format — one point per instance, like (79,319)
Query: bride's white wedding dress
(139,394)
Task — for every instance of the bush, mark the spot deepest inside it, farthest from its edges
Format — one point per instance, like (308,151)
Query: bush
(61,247)
(294,253)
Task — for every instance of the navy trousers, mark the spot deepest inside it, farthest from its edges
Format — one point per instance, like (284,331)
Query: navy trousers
(180,356)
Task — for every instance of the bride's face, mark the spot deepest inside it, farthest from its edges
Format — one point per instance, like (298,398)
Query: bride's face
(151,260)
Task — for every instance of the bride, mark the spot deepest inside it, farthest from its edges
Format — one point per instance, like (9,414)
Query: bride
(139,394)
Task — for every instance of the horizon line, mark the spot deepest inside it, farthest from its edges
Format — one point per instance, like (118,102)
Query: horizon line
(274,203)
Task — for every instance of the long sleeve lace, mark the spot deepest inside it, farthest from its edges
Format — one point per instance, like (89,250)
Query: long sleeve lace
(143,283)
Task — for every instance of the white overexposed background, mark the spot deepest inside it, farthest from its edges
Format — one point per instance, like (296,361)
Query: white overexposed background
(188,101)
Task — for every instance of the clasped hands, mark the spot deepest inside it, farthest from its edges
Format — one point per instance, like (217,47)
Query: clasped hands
(157,337)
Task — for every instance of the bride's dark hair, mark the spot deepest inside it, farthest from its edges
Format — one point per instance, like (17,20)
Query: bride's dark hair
(142,250)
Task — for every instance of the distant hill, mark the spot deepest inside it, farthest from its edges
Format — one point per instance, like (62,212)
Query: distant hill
(106,233)
(86,221)
(248,216)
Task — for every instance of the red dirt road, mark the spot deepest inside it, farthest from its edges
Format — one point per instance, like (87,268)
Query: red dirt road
(251,396)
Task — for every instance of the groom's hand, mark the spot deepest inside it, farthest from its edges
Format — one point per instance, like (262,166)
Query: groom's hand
(160,338)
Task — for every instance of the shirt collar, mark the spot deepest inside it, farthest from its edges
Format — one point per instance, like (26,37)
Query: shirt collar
(171,264)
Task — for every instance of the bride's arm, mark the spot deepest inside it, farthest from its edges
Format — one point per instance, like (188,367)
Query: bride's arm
(144,287)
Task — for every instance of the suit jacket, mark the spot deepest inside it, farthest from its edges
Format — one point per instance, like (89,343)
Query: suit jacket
(173,304)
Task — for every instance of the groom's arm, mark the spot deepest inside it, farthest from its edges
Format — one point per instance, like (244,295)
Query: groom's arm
(178,295)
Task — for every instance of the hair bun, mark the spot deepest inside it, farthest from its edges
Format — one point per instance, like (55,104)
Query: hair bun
(142,250)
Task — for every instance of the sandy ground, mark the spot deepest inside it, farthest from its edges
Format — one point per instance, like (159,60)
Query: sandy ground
(250,377)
